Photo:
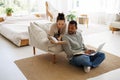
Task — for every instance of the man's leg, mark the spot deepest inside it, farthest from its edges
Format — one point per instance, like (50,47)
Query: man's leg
(97,59)
(82,60)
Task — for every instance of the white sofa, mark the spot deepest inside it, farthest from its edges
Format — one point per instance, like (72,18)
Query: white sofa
(38,38)
(115,25)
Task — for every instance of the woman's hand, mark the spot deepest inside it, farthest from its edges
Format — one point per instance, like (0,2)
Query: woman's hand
(59,42)
(59,38)
(53,42)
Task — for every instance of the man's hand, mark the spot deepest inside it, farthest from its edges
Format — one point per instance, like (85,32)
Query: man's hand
(89,51)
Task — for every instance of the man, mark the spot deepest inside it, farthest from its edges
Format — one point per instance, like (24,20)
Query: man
(76,52)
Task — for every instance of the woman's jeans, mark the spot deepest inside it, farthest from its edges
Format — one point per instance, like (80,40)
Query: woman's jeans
(86,60)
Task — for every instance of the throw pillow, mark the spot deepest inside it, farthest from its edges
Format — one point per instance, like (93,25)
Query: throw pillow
(38,37)
(38,32)
(44,26)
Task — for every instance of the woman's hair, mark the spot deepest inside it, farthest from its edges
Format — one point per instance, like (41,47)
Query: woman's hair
(60,17)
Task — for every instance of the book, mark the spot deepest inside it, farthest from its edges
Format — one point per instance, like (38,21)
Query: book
(54,39)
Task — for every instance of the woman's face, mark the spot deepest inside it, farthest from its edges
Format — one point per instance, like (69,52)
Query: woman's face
(60,24)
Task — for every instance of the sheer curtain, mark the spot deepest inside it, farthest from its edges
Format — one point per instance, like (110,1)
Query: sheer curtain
(111,6)
(22,7)
(32,6)
(99,11)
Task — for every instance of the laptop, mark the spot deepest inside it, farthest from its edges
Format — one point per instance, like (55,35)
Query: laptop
(98,49)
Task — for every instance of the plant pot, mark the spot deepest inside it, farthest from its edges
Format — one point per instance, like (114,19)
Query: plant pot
(9,14)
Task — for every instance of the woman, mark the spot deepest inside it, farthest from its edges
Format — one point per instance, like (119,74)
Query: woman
(58,29)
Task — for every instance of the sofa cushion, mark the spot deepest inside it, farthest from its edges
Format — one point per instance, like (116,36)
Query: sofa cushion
(115,24)
(38,37)
(45,26)
(54,48)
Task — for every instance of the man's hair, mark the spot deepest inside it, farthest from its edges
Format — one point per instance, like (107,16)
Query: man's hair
(73,22)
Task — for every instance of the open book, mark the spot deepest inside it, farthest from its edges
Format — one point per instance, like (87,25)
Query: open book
(98,49)
(54,39)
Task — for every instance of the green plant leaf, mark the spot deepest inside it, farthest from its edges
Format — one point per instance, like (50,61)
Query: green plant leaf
(71,16)
(9,10)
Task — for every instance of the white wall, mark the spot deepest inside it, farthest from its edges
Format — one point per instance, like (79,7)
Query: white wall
(60,5)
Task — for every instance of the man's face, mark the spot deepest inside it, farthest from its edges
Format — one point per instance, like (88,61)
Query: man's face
(71,29)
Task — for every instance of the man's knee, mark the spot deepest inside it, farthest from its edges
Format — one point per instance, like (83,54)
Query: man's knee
(85,60)
(102,55)
(84,57)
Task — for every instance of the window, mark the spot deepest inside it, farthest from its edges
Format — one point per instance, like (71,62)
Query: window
(97,10)
(23,6)
(85,6)
(2,6)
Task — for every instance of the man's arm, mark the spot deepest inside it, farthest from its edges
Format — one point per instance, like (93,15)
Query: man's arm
(67,46)
(83,45)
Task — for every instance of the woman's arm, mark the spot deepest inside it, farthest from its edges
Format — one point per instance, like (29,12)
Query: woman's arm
(63,32)
(52,30)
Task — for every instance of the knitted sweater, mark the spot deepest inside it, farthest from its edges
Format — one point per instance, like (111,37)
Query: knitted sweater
(74,44)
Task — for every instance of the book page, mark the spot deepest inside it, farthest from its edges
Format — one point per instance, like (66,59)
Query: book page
(54,39)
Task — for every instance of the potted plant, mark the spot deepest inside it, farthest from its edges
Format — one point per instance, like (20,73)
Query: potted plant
(71,16)
(9,11)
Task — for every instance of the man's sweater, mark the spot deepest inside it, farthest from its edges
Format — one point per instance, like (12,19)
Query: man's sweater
(74,44)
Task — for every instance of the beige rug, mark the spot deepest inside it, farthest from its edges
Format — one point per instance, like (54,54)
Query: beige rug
(41,68)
